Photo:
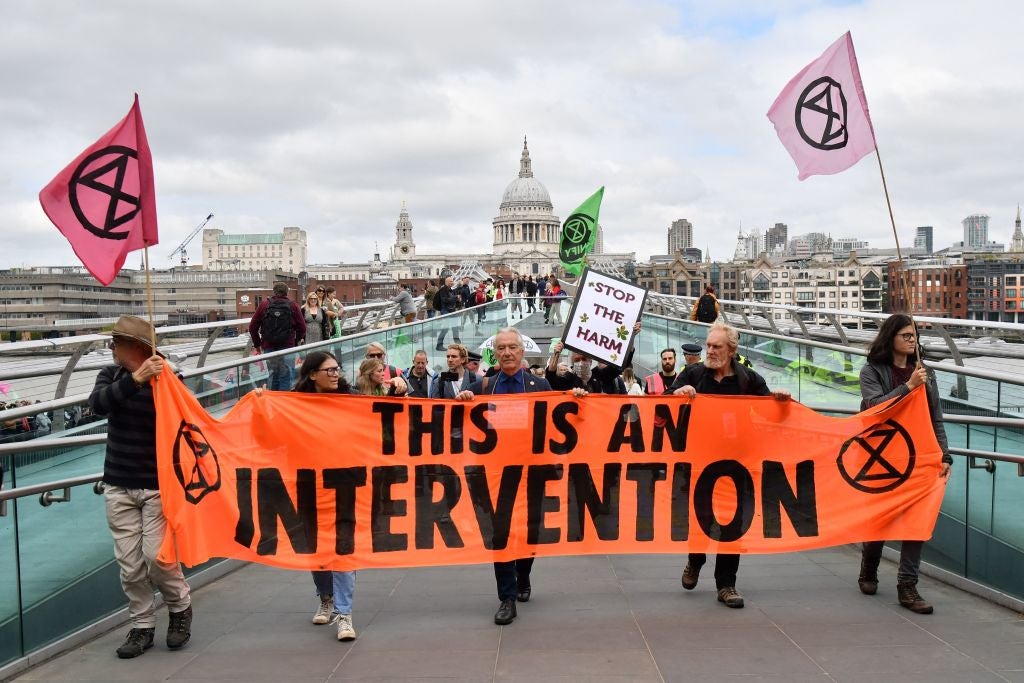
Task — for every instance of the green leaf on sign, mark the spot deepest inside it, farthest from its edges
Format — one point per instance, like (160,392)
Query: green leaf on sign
(614,356)
(622,333)
(584,318)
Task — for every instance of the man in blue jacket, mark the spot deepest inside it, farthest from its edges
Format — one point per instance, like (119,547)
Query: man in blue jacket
(513,578)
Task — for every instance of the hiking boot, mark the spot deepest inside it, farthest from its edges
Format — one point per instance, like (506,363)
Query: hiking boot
(346,631)
(179,628)
(506,612)
(868,579)
(730,596)
(911,599)
(690,575)
(136,642)
(323,612)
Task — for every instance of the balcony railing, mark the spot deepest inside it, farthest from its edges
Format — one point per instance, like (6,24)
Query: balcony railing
(979,534)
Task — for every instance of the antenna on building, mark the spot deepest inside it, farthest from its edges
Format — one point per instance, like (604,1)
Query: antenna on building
(181,247)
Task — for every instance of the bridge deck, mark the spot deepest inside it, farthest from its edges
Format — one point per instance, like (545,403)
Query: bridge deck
(601,618)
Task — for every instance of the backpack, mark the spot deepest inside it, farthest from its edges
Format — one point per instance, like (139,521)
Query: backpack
(706,312)
(436,303)
(276,327)
(479,297)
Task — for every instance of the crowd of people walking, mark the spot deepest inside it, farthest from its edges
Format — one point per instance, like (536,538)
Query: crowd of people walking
(122,394)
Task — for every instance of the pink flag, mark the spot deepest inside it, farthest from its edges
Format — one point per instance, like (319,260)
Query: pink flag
(821,115)
(104,202)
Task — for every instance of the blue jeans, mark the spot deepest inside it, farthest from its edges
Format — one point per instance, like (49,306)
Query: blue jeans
(280,371)
(342,585)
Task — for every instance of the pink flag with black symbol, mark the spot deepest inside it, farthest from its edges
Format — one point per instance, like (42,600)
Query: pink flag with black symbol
(104,202)
(821,116)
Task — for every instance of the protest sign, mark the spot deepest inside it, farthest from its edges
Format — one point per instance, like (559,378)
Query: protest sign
(311,481)
(604,312)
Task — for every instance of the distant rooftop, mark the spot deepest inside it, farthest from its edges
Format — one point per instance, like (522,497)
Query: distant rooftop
(250,239)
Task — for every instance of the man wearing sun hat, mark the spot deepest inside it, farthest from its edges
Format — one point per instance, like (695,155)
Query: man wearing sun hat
(124,395)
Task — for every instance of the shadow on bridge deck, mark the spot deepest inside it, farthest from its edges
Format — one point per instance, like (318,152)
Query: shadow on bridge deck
(599,618)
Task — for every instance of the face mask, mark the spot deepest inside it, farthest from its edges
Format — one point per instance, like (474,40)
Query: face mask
(582,370)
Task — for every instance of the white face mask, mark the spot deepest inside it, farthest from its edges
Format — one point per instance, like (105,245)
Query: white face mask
(582,369)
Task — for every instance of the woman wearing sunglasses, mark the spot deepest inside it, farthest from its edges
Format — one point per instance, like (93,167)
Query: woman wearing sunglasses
(321,374)
(894,369)
(318,323)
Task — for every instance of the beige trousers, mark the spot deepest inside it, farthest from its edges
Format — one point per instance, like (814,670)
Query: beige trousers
(136,521)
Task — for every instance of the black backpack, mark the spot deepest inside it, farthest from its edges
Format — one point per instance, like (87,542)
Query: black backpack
(706,312)
(436,303)
(276,327)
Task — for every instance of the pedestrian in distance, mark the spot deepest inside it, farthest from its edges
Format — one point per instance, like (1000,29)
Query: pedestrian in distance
(706,309)
(277,324)
(318,323)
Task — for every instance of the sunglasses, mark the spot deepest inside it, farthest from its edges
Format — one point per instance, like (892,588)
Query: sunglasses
(375,355)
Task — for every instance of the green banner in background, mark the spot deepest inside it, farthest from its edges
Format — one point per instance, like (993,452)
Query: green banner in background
(579,232)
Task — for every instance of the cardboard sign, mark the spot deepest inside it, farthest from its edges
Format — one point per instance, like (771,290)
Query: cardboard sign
(600,324)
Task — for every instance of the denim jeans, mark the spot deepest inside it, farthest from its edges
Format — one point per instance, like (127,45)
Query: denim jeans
(280,371)
(342,585)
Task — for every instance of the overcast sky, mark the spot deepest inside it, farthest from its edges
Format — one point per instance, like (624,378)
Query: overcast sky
(326,115)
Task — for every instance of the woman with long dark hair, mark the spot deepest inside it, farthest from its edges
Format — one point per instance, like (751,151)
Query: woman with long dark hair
(894,369)
(321,374)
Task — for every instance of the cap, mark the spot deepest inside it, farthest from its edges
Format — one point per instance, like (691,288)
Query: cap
(474,357)
(692,349)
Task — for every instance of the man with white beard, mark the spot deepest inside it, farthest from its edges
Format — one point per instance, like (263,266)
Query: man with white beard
(720,373)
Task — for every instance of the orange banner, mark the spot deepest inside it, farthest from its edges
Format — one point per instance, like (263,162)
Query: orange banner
(347,482)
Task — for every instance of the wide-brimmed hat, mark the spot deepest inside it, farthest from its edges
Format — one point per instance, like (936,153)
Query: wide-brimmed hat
(134,328)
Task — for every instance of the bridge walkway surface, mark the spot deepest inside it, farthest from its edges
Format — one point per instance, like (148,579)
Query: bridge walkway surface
(597,618)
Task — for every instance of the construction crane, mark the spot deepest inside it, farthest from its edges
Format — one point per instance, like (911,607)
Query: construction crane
(181,247)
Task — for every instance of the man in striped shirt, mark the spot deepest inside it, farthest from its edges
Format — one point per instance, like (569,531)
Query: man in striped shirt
(135,516)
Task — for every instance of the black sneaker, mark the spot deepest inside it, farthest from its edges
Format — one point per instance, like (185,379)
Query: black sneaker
(179,628)
(136,642)
(506,612)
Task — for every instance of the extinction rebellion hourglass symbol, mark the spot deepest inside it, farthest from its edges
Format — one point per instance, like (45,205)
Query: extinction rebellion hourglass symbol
(104,171)
(821,115)
(195,463)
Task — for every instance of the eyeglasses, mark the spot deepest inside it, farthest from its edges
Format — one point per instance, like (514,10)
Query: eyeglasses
(331,371)
(907,336)
(375,355)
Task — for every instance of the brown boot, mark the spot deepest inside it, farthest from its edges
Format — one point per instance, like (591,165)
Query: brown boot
(868,579)
(911,599)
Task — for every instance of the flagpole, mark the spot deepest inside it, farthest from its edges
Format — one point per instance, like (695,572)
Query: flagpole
(149,298)
(899,252)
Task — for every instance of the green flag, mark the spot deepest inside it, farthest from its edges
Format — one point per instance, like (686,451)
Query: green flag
(579,232)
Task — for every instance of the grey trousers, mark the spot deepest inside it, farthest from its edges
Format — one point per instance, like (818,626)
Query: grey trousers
(137,523)
(910,559)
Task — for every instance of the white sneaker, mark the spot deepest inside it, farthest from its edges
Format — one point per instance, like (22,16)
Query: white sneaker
(323,612)
(345,630)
